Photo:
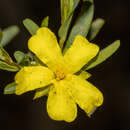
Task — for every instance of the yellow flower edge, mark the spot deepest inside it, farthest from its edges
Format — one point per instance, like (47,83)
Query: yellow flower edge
(67,89)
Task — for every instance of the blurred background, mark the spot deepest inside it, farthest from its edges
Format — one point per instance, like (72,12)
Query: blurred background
(112,77)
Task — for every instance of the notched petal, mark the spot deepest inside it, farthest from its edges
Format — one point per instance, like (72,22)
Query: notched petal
(30,78)
(86,95)
(60,105)
(45,46)
(80,53)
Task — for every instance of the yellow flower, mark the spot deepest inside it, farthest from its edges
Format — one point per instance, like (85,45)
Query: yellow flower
(67,88)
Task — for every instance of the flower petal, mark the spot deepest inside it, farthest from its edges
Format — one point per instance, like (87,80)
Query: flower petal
(60,105)
(87,96)
(30,78)
(80,53)
(44,45)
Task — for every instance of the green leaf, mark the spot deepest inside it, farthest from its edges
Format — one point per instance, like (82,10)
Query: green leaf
(84,75)
(95,28)
(4,55)
(8,34)
(1,35)
(64,30)
(66,9)
(66,20)
(10,88)
(41,92)
(82,24)
(31,26)
(104,54)
(19,56)
(45,22)
(24,59)
(6,63)
(8,66)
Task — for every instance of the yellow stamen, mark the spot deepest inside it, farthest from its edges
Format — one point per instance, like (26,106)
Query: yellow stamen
(59,75)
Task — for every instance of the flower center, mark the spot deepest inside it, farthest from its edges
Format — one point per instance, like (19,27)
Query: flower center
(59,75)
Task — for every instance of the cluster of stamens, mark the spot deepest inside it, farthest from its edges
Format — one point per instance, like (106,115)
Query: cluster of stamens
(59,75)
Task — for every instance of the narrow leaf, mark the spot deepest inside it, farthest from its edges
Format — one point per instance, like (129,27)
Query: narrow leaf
(84,75)
(105,54)
(45,22)
(6,63)
(82,25)
(41,92)
(95,28)
(66,9)
(8,34)
(9,67)
(10,88)
(66,22)
(4,55)
(31,26)
(64,30)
